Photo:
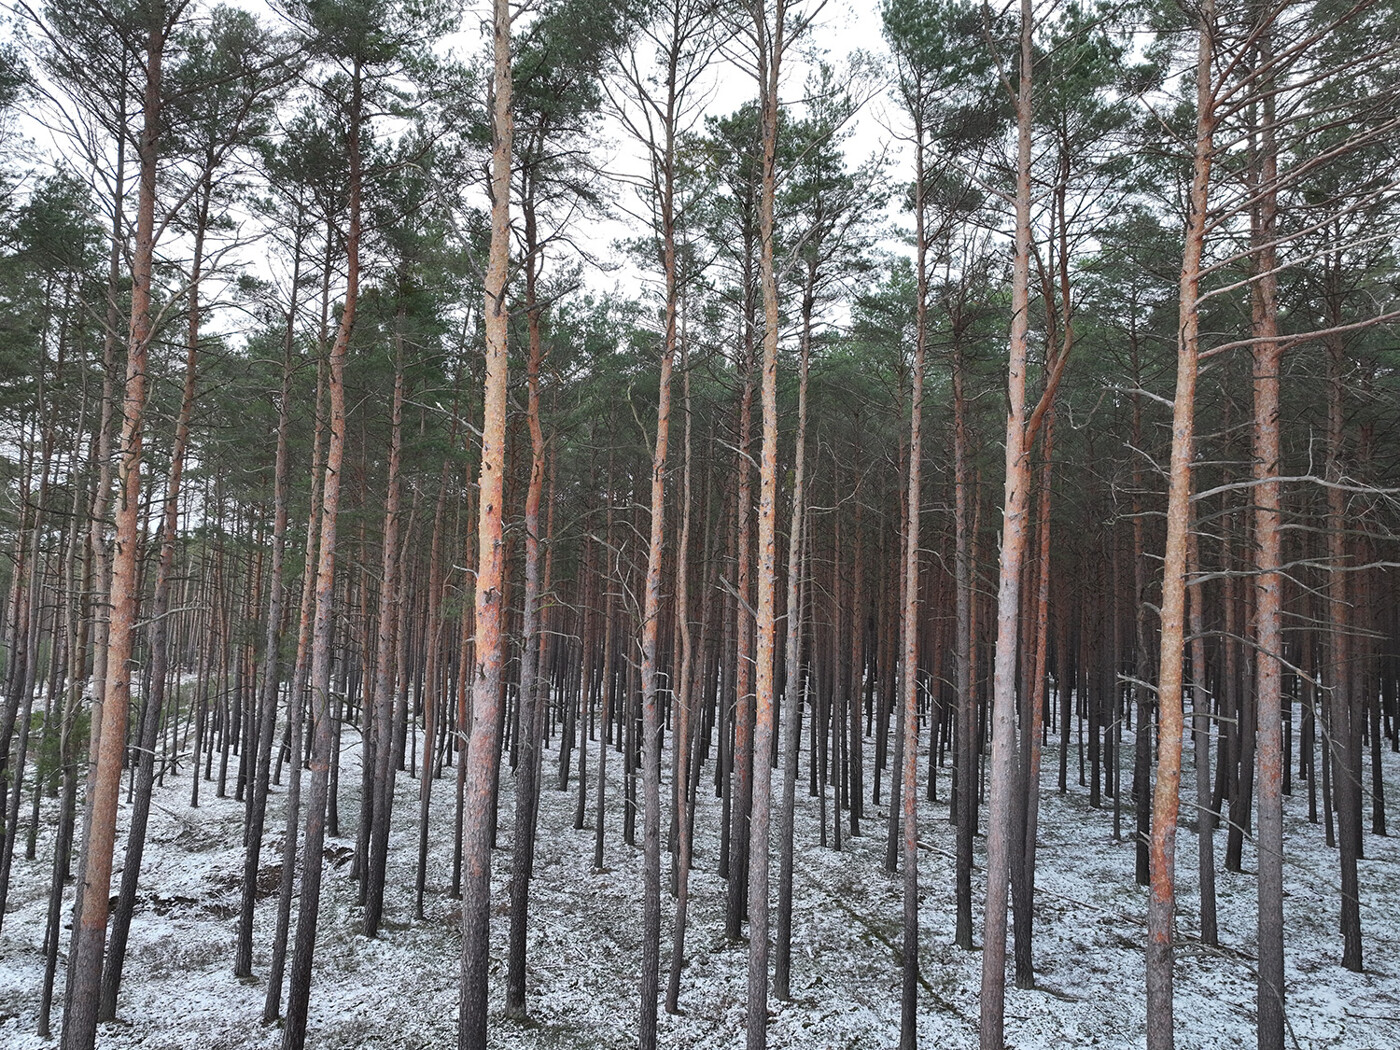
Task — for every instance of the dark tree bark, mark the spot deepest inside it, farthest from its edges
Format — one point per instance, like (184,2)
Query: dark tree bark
(379,756)
(1201,715)
(270,673)
(318,793)
(529,707)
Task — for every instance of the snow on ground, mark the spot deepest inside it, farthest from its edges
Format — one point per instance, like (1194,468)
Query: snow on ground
(399,992)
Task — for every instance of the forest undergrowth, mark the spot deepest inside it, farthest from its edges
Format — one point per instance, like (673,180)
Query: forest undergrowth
(399,991)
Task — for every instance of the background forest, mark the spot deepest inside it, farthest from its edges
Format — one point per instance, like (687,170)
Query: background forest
(590,506)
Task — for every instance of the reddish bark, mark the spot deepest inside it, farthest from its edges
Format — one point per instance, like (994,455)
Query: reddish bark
(1166,797)
(154,702)
(1268,585)
(965,786)
(1015,508)
(482,751)
(80,1019)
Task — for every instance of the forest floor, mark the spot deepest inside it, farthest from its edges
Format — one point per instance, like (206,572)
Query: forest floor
(399,991)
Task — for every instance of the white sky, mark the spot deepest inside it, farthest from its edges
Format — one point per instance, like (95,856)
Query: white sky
(842,27)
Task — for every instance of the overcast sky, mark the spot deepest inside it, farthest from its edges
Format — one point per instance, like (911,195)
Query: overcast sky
(842,28)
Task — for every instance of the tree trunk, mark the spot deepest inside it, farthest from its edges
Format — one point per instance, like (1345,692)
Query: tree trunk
(1201,715)
(436,695)
(909,628)
(379,730)
(1342,764)
(323,730)
(526,784)
(257,804)
(683,730)
(91,911)
(160,633)
(771,41)
(1268,357)
(1013,546)
(482,754)
(1166,796)
(296,696)
(966,783)
(792,675)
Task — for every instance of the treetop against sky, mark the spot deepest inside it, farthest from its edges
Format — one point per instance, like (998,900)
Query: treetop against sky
(592,497)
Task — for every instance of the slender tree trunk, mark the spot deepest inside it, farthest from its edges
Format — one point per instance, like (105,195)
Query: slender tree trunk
(962,656)
(1023,884)
(322,717)
(1200,711)
(792,676)
(1268,357)
(160,633)
(664,176)
(1342,764)
(1013,546)
(380,728)
(526,782)
(435,694)
(1142,670)
(482,754)
(257,804)
(467,667)
(651,622)
(909,626)
(296,697)
(684,729)
(63,839)
(607,677)
(771,41)
(90,920)
(1166,798)
(739,773)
